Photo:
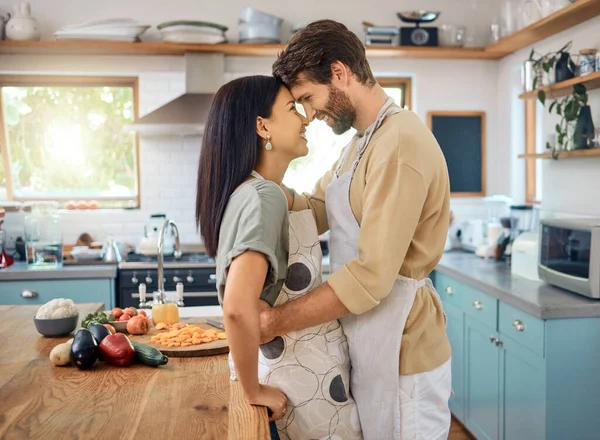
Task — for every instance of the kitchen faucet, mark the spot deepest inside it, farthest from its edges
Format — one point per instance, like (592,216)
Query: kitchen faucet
(159,296)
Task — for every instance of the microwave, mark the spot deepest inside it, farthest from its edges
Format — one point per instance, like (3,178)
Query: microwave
(569,255)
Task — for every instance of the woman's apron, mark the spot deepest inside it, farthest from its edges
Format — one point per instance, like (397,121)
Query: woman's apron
(375,337)
(311,366)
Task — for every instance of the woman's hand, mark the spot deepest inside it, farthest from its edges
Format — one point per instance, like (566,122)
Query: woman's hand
(273,399)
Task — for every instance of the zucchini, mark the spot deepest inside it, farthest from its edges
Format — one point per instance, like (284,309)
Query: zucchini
(148,355)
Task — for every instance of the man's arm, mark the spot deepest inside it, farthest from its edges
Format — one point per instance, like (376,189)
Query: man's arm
(315,201)
(319,306)
(393,203)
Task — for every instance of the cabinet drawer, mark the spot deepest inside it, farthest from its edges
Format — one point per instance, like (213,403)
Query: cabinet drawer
(480,306)
(522,328)
(448,289)
(80,291)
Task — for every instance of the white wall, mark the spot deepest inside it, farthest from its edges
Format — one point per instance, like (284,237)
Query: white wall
(569,186)
(168,165)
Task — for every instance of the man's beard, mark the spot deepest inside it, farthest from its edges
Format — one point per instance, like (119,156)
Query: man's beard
(340,110)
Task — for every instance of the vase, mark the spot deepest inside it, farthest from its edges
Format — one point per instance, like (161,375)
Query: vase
(564,68)
(22,26)
(583,137)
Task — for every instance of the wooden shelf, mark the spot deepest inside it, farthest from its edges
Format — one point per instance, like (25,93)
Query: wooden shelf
(569,16)
(592,152)
(232,49)
(572,15)
(591,81)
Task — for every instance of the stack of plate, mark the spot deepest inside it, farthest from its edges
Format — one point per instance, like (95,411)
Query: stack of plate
(259,27)
(192,32)
(118,29)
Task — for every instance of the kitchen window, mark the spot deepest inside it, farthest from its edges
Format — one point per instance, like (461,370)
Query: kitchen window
(325,146)
(533,144)
(62,138)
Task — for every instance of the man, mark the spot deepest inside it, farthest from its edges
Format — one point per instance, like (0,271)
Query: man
(386,202)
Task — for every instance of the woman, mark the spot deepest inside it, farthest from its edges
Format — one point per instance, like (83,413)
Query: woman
(252,134)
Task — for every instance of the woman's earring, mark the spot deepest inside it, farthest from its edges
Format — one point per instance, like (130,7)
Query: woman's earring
(268,146)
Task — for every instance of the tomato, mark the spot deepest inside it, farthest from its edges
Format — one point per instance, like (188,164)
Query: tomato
(116,312)
(142,313)
(110,328)
(124,317)
(138,325)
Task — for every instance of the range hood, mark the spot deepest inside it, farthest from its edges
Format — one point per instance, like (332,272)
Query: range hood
(186,114)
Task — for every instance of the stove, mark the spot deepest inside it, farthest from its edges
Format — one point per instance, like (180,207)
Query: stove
(196,271)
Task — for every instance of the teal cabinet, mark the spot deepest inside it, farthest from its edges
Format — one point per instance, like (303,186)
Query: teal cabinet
(456,335)
(518,377)
(42,291)
(523,390)
(482,377)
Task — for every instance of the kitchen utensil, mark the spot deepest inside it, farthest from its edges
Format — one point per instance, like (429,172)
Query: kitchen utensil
(418,16)
(214,323)
(54,328)
(22,26)
(525,256)
(251,15)
(3,20)
(84,253)
(258,33)
(220,346)
(451,35)
(381,35)
(43,235)
(111,252)
(418,36)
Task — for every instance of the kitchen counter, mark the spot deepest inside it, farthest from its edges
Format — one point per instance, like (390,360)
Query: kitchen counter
(189,398)
(534,297)
(20,271)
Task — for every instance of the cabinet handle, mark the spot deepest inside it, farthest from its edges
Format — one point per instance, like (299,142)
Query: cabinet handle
(29,294)
(499,343)
(518,325)
(477,304)
(493,339)
(449,290)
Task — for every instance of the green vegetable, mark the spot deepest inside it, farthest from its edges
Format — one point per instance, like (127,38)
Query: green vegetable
(99,317)
(84,349)
(149,355)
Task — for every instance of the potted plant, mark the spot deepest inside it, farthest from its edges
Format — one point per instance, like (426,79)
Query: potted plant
(564,67)
(574,113)
(575,128)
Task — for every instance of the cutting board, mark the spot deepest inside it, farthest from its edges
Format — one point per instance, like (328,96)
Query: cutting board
(219,346)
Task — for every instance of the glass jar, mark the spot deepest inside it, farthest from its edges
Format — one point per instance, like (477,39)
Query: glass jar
(43,237)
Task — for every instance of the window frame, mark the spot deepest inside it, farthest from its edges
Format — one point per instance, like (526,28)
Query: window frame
(66,81)
(405,82)
(531,195)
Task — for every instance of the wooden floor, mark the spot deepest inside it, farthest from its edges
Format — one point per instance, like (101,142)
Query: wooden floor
(458,431)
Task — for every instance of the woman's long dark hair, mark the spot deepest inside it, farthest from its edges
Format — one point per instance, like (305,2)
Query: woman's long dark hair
(230,148)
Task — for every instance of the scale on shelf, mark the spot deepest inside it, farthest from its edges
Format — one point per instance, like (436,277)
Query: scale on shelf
(418,36)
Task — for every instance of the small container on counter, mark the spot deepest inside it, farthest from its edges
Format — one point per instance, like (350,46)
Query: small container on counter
(588,61)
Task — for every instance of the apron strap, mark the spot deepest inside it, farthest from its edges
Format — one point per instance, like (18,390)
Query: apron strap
(364,140)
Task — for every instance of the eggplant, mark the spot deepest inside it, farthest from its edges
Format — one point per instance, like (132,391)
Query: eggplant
(98,331)
(84,350)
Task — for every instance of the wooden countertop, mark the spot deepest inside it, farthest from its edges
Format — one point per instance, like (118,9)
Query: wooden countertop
(189,398)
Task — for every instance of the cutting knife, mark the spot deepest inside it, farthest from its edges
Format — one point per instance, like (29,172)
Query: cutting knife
(215,323)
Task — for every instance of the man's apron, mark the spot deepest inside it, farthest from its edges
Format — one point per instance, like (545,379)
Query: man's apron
(386,412)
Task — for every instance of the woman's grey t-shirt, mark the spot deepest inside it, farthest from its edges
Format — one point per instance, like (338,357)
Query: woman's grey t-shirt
(255,219)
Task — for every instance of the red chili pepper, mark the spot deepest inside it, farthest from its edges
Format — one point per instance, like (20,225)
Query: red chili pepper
(117,350)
